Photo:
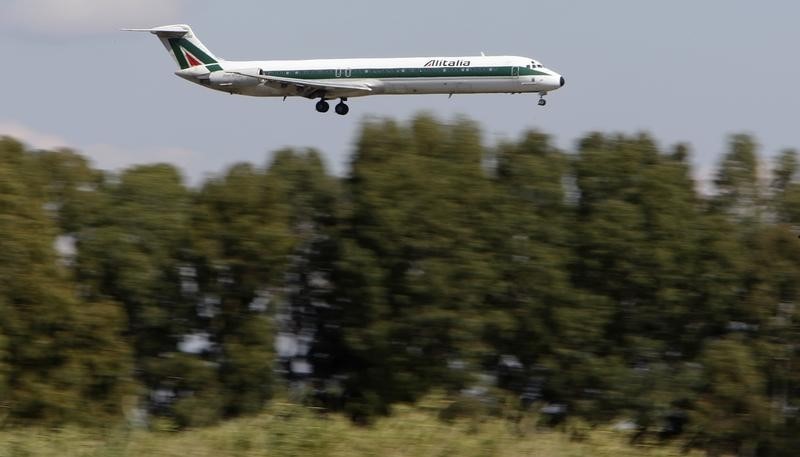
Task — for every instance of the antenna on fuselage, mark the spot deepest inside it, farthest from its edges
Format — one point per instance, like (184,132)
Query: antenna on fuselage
(482,54)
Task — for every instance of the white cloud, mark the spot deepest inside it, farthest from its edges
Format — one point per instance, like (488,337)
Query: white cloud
(110,157)
(33,138)
(83,17)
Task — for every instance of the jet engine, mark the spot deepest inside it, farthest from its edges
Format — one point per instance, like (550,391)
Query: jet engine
(226,79)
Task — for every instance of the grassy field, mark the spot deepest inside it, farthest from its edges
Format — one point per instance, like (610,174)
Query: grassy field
(288,430)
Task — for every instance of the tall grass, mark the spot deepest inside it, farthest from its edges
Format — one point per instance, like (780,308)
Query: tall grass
(290,430)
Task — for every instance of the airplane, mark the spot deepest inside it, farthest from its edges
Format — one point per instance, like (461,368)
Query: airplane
(329,79)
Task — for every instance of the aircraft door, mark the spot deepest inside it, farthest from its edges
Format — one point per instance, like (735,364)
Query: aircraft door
(514,72)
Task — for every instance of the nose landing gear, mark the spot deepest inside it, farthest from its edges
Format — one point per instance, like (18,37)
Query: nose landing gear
(542,101)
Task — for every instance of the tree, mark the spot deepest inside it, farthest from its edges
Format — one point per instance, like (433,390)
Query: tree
(739,190)
(768,316)
(241,243)
(785,189)
(412,268)
(312,197)
(63,359)
(131,249)
(645,245)
(732,412)
(70,186)
(533,317)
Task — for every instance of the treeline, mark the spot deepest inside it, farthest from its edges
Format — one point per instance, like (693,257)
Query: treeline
(597,284)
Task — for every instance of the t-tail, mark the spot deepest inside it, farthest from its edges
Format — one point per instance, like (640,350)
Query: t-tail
(184,47)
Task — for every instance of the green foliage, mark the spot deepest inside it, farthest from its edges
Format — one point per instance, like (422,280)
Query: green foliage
(313,198)
(531,304)
(67,182)
(241,241)
(740,192)
(661,267)
(289,430)
(785,190)
(130,249)
(577,289)
(412,270)
(61,359)
(732,413)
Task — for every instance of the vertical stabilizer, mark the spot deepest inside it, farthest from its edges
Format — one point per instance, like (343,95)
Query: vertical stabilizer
(184,47)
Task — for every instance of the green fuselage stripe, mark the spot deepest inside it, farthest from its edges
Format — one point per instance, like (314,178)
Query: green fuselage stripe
(408,72)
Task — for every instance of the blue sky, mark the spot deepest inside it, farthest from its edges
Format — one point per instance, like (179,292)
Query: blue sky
(693,71)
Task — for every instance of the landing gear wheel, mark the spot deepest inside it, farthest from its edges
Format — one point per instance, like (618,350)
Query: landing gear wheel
(323,106)
(341,109)
(542,102)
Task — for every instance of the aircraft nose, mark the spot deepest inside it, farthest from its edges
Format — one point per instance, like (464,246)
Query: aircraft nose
(562,81)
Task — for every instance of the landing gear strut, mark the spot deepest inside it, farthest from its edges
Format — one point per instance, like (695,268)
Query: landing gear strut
(542,101)
(323,106)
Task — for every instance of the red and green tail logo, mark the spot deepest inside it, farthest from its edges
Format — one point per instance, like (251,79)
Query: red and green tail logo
(189,55)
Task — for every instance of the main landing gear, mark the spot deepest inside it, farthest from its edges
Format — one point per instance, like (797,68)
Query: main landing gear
(542,101)
(341,108)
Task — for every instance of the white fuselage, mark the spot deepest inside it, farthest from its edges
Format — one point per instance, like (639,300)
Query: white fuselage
(327,79)
(414,75)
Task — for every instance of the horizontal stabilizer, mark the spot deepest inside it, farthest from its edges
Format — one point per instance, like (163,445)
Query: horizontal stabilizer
(169,31)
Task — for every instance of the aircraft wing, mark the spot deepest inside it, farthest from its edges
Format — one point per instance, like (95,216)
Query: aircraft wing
(312,89)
